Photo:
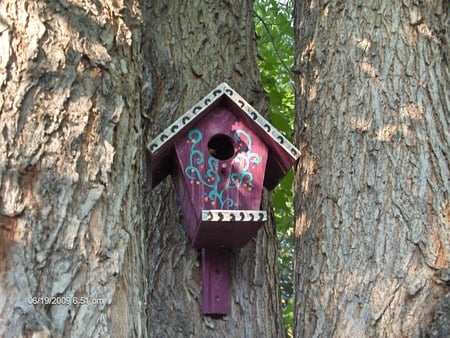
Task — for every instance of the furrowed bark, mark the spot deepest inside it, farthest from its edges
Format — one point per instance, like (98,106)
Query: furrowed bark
(372,189)
(71,146)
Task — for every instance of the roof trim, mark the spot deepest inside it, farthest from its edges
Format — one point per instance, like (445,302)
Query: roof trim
(223,90)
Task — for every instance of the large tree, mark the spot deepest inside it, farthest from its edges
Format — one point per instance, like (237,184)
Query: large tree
(373,184)
(70,170)
(84,86)
(192,47)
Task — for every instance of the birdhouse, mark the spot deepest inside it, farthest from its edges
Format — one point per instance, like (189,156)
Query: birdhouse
(220,154)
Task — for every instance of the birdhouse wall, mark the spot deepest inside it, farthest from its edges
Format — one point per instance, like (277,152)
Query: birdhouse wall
(278,169)
(221,166)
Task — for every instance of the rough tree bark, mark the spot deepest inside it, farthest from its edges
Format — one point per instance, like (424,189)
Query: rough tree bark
(372,189)
(70,153)
(194,46)
(83,86)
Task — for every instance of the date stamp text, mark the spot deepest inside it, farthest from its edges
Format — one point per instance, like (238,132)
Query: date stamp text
(66,301)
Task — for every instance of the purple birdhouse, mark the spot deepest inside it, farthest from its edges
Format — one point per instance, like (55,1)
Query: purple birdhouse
(220,154)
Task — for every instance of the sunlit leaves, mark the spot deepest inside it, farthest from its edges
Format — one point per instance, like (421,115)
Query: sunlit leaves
(275,51)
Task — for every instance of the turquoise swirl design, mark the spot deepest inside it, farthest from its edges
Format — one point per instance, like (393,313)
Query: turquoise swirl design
(244,159)
(240,174)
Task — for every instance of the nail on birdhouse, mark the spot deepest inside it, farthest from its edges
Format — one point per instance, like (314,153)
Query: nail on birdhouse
(220,154)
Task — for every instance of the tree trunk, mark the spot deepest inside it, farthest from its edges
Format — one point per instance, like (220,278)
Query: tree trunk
(193,47)
(72,233)
(86,249)
(372,189)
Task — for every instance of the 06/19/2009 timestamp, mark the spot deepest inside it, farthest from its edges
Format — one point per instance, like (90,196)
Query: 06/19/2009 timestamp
(66,301)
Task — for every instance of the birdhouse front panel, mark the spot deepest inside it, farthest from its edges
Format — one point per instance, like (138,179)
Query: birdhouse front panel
(222,163)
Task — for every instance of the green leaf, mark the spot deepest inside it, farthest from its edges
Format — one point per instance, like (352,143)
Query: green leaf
(274,28)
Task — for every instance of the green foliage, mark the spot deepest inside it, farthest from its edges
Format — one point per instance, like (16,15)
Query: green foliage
(276,55)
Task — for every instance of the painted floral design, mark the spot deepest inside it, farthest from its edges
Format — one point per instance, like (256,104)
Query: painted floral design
(242,163)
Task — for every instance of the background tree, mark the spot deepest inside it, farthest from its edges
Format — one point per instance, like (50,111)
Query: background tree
(193,47)
(372,189)
(84,86)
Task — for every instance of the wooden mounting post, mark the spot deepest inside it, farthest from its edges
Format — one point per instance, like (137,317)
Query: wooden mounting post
(215,281)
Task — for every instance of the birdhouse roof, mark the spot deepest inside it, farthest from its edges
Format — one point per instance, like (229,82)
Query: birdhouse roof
(282,153)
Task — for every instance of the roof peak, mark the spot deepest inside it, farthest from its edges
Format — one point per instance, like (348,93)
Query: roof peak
(211,98)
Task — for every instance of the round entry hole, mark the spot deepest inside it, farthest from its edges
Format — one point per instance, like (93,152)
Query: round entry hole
(221,146)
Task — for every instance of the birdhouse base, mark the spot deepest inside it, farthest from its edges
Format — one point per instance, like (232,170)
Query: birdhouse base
(215,281)
(227,228)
